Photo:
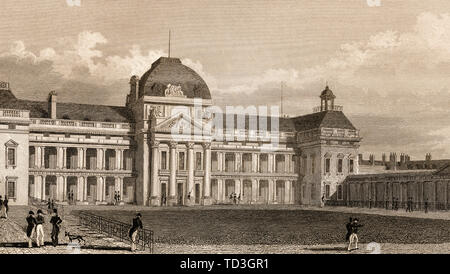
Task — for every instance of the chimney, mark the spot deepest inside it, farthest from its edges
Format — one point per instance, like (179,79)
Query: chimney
(52,98)
(383,158)
(134,88)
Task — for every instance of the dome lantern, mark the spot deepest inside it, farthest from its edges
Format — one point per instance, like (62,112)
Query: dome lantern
(327,99)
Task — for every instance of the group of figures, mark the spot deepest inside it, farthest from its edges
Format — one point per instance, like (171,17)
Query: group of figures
(352,233)
(234,198)
(35,225)
(4,208)
(117,197)
(70,197)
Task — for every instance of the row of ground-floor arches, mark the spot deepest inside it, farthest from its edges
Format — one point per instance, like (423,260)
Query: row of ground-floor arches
(86,190)
(255,191)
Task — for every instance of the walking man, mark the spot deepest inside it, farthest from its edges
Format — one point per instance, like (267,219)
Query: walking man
(40,228)
(137,224)
(55,221)
(354,236)
(31,223)
(348,226)
(5,202)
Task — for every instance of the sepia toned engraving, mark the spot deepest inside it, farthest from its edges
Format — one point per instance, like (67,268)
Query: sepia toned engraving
(219,127)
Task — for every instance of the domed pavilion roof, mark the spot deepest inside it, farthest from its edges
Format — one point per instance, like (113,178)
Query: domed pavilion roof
(169,77)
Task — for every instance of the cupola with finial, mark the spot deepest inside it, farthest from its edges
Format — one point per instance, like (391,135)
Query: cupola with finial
(327,99)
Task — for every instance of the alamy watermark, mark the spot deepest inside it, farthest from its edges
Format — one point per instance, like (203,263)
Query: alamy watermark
(373,3)
(235,123)
(73,3)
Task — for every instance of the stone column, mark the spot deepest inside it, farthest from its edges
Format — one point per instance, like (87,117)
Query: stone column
(37,186)
(220,192)
(64,157)
(287,161)
(117,160)
(37,157)
(59,188)
(42,157)
(271,194)
(99,188)
(79,158)
(85,189)
(223,161)
(219,161)
(254,162)
(44,181)
(79,189)
(190,180)
(120,179)
(103,158)
(287,192)
(270,160)
(59,157)
(64,188)
(254,190)
(98,158)
(237,187)
(104,189)
(172,200)
(207,174)
(155,199)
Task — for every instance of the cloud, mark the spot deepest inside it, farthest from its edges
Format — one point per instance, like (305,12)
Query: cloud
(399,79)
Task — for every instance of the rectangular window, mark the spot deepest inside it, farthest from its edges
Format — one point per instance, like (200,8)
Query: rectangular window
(198,161)
(339,167)
(313,164)
(339,192)
(327,191)
(164,160)
(327,165)
(11,156)
(181,165)
(214,161)
(11,189)
(350,166)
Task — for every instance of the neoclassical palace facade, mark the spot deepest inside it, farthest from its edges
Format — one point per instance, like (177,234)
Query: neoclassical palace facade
(169,145)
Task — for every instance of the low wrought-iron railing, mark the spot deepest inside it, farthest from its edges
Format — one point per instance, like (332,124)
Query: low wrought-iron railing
(116,229)
(393,205)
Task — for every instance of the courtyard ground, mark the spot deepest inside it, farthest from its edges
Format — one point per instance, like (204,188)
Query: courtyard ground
(250,229)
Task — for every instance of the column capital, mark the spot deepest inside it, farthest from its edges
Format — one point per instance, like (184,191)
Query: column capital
(206,145)
(190,145)
(154,143)
(173,144)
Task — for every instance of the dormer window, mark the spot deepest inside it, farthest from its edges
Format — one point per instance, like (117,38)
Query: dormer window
(11,153)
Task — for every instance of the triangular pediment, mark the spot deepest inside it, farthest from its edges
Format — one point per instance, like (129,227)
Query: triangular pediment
(180,124)
(11,143)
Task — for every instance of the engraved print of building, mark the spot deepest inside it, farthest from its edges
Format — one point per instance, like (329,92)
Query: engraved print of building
(52,149)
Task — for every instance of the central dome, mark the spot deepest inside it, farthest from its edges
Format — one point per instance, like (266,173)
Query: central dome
(167,73)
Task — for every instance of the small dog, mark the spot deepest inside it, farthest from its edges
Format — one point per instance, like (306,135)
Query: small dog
(73,237)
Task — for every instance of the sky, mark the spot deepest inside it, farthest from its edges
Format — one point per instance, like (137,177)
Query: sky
(387,64)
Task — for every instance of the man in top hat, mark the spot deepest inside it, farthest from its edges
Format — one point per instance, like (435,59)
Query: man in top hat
(354,236)
(40,228)
(137,224)
(55,221)
(31,221)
